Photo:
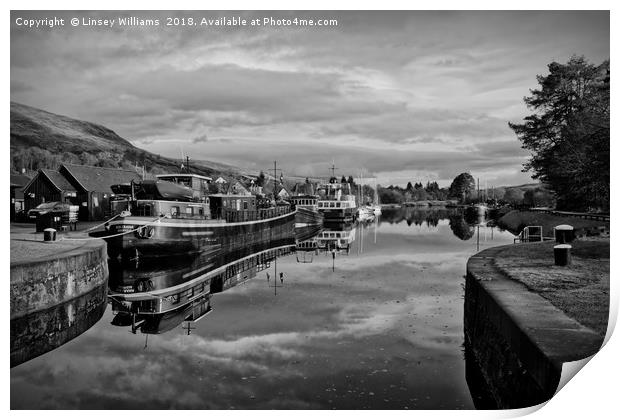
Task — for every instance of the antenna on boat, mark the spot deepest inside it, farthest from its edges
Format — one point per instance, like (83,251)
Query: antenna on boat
(333,168)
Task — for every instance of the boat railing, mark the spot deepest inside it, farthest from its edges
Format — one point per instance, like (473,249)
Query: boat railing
(233,216)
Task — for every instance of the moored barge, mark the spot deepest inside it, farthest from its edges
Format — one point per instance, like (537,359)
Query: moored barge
(175,216)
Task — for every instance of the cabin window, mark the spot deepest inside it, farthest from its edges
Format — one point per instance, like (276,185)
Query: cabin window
(245,205)
(176,298)
(338,205)
(174,211)
(190,292)
(189,211)
(201,211)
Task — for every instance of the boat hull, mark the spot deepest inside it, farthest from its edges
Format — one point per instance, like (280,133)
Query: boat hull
(338,215)
(307,217)
(144,237)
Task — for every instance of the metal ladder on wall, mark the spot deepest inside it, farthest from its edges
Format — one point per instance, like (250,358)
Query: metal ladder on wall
(530,234)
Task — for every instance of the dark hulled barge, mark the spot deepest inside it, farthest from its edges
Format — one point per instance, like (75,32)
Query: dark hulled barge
(175,216)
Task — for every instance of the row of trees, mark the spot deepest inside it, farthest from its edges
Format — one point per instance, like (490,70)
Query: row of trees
(412,192)
(34,158)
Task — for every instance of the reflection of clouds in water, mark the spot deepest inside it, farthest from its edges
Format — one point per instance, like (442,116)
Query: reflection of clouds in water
(433,326)
(162,369)
(352,321)
(391,266)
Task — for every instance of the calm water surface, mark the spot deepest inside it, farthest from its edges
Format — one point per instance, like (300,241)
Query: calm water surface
(380,327)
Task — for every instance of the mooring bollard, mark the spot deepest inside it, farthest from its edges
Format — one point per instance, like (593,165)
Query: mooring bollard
(49,234)
(564,234)
(561,253)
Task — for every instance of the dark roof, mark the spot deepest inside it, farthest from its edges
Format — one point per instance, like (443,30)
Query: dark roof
(95,178)
(57,179)
(18,180)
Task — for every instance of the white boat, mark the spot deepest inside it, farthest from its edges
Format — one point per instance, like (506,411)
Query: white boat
(336,202)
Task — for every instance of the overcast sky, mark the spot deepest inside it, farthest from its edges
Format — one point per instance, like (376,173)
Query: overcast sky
(408,96)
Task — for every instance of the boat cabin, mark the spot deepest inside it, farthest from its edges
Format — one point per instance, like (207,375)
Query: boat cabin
(172,209)
(336,196)
(307,201)
(220,203)
(198,183)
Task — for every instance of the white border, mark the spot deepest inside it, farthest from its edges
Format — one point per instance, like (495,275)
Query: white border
(591,394)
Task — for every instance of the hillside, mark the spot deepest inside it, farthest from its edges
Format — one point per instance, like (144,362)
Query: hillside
(40,139)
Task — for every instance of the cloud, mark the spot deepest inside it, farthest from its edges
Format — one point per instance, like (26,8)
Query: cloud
(435,88)
(200,139)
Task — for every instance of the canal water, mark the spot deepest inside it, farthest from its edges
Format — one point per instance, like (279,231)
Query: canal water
(377,324)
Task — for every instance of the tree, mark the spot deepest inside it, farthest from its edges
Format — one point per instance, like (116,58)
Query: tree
(260,181)
(538,197)
(343,180)
(387,196)
(460,227)
(462,187)
(568,134)
(513,196)
(409,186)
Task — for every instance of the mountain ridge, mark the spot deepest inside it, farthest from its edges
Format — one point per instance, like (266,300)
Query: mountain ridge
(42,139)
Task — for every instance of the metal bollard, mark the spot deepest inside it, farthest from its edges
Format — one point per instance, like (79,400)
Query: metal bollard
(564,234)
(49,234)
(561,254)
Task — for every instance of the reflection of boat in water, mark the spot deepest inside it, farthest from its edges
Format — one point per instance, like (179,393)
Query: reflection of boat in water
(179,290)
(365,214)
(168,284)
(175,215)
(192,311)
(40,332)
(336,238)
(306,245)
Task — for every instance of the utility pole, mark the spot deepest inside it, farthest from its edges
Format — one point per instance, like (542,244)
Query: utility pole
(189,328)
(275,275)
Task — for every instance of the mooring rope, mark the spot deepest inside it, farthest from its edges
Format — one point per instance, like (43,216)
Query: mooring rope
(107,221)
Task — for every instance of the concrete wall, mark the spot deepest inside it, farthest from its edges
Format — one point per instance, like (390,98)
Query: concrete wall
(501,366)
(40,284)
(516,338)
(42,331)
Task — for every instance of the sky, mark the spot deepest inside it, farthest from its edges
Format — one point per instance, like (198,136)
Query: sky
(396,95)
